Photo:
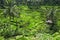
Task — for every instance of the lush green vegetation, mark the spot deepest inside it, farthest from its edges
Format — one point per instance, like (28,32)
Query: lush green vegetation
(24,22)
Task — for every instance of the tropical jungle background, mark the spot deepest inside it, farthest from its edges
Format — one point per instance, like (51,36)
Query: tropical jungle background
(29,19)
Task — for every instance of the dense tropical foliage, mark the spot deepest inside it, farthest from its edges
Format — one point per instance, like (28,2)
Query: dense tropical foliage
(27,20)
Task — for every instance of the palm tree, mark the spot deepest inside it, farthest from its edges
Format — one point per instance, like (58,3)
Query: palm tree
(11,9)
